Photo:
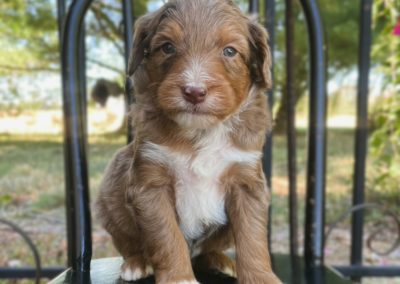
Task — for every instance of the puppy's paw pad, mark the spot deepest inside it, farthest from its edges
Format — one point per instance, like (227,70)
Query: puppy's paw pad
(131,274)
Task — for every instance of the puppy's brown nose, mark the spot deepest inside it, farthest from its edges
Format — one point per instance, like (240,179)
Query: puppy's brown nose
(194,95)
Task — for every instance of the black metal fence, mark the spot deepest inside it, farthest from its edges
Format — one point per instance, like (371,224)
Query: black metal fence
(72,32)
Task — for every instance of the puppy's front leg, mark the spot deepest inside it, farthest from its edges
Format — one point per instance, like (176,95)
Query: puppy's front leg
(247,207)
(164,242)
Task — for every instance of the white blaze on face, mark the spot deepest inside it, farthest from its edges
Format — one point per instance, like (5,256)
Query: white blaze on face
(196,75)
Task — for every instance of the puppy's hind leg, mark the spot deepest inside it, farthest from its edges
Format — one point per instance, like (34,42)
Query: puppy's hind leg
(118,219)
(215,261)
(211,255)
(135,265)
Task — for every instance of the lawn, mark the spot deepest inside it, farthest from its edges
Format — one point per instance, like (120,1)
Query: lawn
(32,195)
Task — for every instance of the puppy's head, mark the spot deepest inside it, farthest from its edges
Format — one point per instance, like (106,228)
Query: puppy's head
(197,60)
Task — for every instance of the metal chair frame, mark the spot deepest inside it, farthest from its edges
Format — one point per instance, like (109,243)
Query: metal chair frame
(71,30)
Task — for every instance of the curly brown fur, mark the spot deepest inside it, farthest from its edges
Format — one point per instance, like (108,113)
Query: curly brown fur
(191,185)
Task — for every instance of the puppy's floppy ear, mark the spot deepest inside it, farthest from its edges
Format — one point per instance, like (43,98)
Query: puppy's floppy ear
(260,55)
(138,44)
(145,28)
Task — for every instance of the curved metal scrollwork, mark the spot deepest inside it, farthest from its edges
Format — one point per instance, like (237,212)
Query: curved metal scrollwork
(372,236)
(31,245)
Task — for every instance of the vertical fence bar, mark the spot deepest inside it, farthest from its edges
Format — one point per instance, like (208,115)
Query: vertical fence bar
(361,135)
(291,140)
(61,12)
(291,127)
(269,6)
(82,75)
(269,12)
(315,199)
(127,8)
(61,8)
(75,140)
(253,6)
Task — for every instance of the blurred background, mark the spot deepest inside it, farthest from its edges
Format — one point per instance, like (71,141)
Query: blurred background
(31,150)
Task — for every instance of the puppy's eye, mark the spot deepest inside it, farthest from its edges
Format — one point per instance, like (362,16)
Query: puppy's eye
(168,48)
(230,51)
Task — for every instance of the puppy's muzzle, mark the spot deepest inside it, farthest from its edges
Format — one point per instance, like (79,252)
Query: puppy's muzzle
(194,95)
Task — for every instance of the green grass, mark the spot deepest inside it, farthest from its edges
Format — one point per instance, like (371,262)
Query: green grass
(32,193)
(339,171)
(32,168)
(32,189)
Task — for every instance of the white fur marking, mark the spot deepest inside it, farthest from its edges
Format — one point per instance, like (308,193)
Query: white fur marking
(194,121)
(196,251)
(149,270)
(195,75)
(128,274)
(199,198)
(228,271)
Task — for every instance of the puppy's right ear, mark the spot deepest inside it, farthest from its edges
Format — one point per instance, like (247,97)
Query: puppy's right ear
(145,28)
(141,40)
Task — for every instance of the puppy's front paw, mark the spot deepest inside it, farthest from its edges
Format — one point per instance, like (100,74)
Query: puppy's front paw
(134,268)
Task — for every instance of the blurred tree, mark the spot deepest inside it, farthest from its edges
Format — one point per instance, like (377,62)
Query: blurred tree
(29,40)
(386,45)
(340,20)
(28,37)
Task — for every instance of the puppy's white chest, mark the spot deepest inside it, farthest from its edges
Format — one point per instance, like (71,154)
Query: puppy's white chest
(199,196)
(200,200)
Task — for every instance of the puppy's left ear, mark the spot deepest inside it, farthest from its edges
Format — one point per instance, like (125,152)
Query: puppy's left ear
(261,58)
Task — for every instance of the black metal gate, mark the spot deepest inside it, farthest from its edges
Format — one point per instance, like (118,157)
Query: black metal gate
(72,32)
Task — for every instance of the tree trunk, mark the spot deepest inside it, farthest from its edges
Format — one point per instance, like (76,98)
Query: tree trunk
(281,115)
(300,87)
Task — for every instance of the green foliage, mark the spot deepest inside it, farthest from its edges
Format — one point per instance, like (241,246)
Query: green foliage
(28,36)
(385,146)
(340,19)
(386,46)
(385,118)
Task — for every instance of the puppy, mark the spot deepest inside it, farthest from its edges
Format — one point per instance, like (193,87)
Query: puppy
(191,185)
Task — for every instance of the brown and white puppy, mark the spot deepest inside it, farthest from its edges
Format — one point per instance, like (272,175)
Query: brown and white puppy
(191,184)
